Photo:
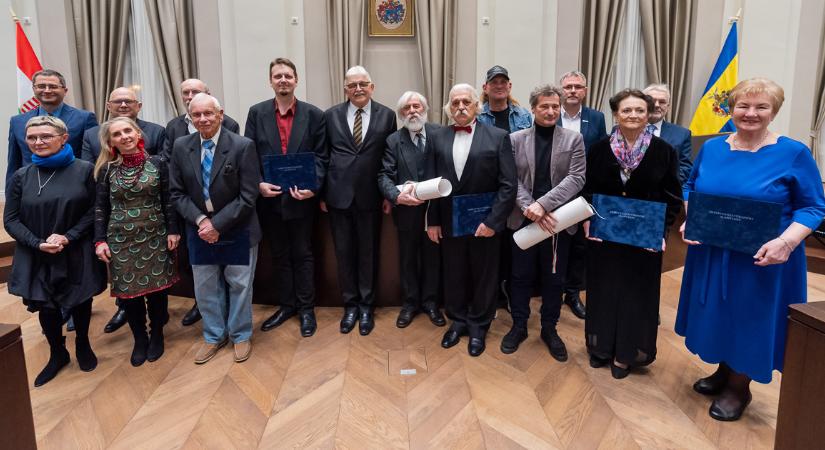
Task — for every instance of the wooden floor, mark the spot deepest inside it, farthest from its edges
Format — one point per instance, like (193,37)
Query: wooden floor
(347,391)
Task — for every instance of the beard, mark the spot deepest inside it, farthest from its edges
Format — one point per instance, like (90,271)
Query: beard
(413,122)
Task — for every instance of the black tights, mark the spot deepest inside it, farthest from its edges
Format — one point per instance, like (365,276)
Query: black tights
(51,321)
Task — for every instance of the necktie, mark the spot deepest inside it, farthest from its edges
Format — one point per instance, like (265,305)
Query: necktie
(419,141)
(356,127)
(206,165)
(467,128)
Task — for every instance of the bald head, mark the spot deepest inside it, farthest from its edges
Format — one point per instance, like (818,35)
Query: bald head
(190,88)
(123,102)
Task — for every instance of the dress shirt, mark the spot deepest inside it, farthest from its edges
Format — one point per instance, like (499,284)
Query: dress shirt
(58,112)
(365,118)
(209,207)
(284,122)
(657,128)
(190,125)
(423,135)
(461,149)
(573,122)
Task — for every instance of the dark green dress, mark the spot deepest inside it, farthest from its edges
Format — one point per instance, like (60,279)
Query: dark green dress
(133,216)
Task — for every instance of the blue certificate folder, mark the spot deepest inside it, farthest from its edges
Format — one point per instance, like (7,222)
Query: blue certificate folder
(469,211)
(295,169)
(630,221)
(232,249)
(732,223)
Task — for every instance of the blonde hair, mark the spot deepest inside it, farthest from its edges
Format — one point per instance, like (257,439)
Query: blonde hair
(107,154)
(756,86)
(51,121)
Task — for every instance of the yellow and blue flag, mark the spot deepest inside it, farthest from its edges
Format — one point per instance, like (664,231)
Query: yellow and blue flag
(712,116)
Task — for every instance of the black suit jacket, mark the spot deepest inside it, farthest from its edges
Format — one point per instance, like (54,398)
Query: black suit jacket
(403,162)
(308,134)
(352,170)
(177,128)
(490,167)
(153,137)
(233,186)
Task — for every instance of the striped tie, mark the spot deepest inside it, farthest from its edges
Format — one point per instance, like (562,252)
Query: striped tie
(356,127)
(206,165)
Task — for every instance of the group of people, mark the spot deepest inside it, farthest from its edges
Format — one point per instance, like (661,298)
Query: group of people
(134,195)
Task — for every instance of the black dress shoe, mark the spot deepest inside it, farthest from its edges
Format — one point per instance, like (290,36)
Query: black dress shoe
(275,320)
(513,338)
(574,302)
(618,372)
(596,362)
(476,346)
(435,315)
(711,385)
(308,324)
(366,323)
(117,321)
(405,317)
(554,343)
(451,338)
(192,316)
(729,415)
(349,319)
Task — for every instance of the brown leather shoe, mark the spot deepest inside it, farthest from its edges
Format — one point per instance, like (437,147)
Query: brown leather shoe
(208,351)
(242,351)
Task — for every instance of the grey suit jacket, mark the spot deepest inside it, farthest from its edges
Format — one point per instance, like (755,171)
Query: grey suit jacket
(567,167)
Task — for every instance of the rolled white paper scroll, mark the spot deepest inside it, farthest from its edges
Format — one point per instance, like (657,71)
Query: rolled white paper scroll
(566,215)
(429,189)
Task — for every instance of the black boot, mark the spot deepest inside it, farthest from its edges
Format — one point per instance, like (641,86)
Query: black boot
(52,324)
(82,315)
(136,317)
(157,304)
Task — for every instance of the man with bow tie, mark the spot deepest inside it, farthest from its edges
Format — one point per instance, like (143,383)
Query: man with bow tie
(476,159)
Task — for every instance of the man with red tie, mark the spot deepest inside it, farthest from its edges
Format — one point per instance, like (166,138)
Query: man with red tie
(280,126)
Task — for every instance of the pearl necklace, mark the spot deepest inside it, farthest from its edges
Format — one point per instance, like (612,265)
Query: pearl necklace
(755,147)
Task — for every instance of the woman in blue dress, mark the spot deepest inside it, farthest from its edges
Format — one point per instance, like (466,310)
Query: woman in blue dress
(733,306)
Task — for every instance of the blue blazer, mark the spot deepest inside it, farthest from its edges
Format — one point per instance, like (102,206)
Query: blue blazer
(679,138)
(77,120)
(153,137)
(592,128)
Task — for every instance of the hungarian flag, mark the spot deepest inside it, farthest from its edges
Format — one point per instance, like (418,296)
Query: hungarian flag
(27,65)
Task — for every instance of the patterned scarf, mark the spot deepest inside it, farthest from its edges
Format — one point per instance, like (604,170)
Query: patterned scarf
(630,158)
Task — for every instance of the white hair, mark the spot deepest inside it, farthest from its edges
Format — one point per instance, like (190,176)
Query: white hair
(406,97)
(204,97)
(661,87)
(462,87)
(357,70)
(573,73)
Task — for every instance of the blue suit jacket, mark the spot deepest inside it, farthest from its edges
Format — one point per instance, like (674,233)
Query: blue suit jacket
(19,155)
(153,137)
(679,138)
(592,128)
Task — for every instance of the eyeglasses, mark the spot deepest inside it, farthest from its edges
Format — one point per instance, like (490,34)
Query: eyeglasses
(574,87)
(46,138)
(120,102)
(361,84)
(43,87)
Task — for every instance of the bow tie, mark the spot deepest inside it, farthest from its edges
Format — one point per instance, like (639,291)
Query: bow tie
(466,128)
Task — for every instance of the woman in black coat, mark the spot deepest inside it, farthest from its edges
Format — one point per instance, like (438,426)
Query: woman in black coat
(50,212)
(622,280)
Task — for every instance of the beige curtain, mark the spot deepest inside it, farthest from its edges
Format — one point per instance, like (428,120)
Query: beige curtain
(345,41)
(101,29)
(819,107)
(436,36)
(173,35)
(667,28)
(601,33)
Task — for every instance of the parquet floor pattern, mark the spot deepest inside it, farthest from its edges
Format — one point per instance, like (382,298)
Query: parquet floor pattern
(348,391)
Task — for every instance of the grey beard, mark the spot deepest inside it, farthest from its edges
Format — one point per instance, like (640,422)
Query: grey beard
(412,124)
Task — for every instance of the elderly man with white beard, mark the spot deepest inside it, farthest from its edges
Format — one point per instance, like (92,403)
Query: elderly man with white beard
(419,259)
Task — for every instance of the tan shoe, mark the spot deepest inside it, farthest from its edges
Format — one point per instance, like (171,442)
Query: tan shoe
(208,351)
(242,350)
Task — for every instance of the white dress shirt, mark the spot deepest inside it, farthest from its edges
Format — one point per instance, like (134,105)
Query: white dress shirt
(365,118)
(461,149)
(423,136)
(189,124)
(209,207)
(658,128)
(573,122)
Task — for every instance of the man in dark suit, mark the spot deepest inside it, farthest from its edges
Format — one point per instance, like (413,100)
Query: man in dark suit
(590,123)
(49,89)
(281,126)
(476,159)
(357,133)
(678,137)
(123,102)
(214,178)
(419,258)
(183,126)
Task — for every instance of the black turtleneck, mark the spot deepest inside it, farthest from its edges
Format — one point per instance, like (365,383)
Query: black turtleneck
(544,149)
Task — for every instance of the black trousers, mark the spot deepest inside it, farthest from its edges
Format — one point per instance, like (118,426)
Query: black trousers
(505,266)
(575,281)
(290,242)
(536,264)
(419,268)
(355,235)
(470,277)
